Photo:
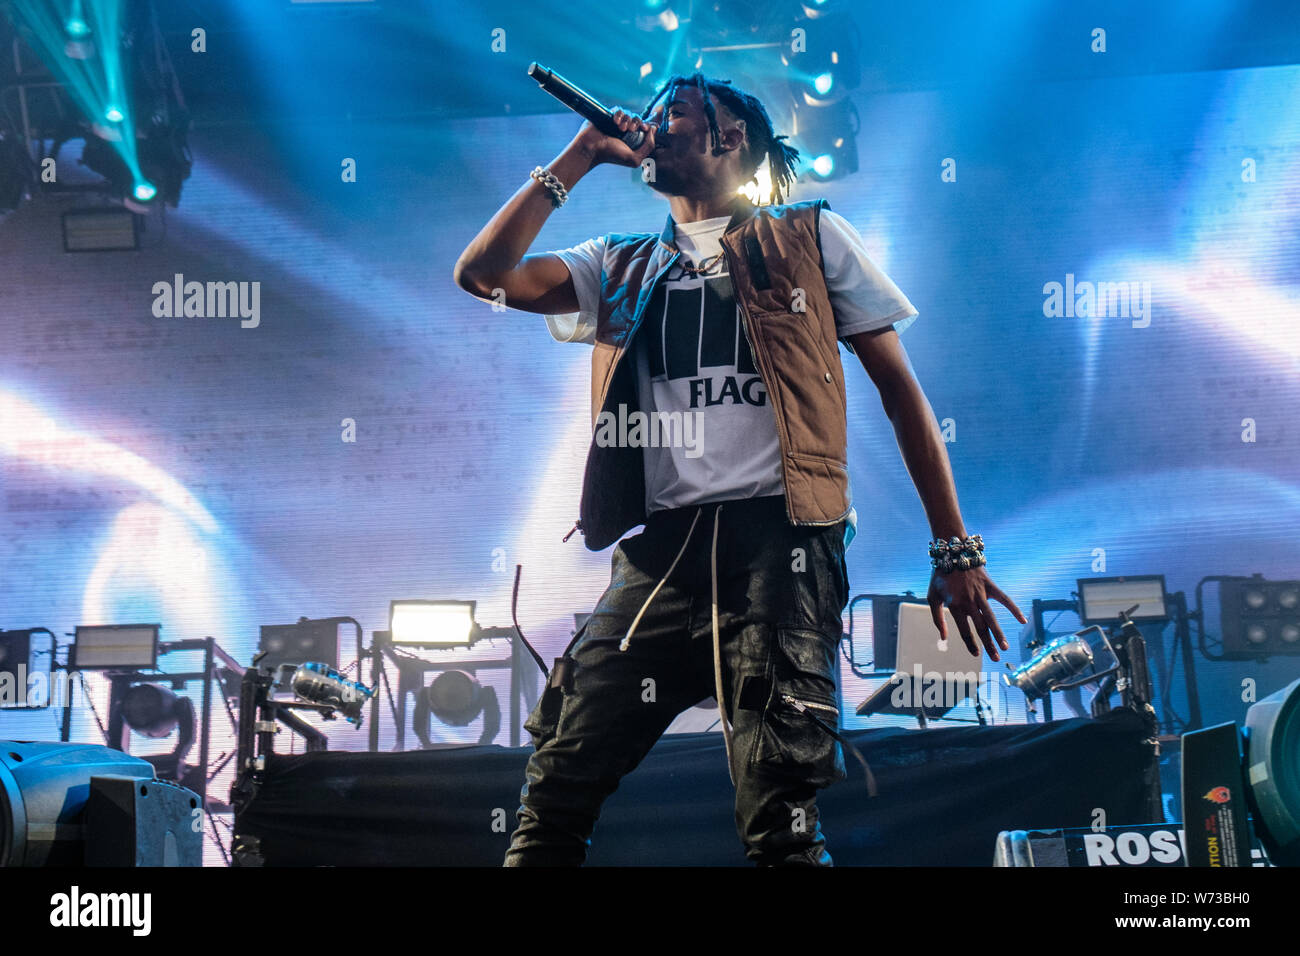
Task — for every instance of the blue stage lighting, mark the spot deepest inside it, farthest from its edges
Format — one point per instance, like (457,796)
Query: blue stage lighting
(77,28)
(823,83)
(823,165)
(114,114)
(144,191)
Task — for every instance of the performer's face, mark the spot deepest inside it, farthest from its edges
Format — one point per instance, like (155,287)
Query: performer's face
(687,166)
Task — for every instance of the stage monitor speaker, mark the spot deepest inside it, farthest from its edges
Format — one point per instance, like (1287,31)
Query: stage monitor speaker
(132,822)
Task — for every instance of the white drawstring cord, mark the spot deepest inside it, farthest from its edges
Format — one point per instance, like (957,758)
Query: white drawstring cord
(717,645)
(717,640)
(627,639)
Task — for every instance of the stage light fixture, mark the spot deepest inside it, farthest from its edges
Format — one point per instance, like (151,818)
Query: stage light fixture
(294,644)
(456,698)
(76,25)
(43,792)
(1273,771)
(15,649)
(154,711)
(317,682)
(1258,618)
(104,229)
(432,623)
(827,139)
(144,191)
(759,189)
(1102,599)
(18,655)
(1057,663)
(114,647)
(826,66)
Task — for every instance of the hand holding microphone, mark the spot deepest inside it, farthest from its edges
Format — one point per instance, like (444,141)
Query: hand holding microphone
(608,136)
(604,148)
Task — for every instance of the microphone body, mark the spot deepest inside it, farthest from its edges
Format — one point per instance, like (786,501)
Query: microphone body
(584,104)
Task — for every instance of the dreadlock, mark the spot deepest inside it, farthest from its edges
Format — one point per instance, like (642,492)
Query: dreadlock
(762,141)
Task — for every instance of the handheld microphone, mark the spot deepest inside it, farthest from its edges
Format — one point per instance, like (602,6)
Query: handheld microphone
(586,106)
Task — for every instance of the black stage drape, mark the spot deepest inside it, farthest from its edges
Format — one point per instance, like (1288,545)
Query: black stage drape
(943,796)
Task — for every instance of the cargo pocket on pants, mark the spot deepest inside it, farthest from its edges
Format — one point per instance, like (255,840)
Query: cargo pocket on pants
(543,723)
(791,738)
(545,718)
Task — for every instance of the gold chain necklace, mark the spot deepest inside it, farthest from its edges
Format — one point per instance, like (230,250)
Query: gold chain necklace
(704,266)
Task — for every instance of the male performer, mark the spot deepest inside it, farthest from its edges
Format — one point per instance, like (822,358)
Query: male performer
(728,323)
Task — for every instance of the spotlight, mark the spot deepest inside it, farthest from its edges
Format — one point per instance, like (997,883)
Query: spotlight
(100,229)
(829,135)
(114,647)
(1059,662)
(456,699)
(759,189)
(827,66)
(44,788)
(144,191)
(154,711)
(1273,769)
(1258,617)
(114,114)
(76,25)
(432,623)
(321,684)
(656,15)
(296,644)
(1102,599)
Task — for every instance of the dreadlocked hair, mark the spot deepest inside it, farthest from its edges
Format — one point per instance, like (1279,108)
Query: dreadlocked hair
(761,140)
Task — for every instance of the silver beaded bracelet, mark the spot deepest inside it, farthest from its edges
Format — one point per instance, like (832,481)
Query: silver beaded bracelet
(559,195)
(957,554)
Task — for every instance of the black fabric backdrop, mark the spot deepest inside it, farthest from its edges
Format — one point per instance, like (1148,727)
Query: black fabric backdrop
(944,794)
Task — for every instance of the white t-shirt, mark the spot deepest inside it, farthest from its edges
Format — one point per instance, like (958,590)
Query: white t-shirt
(693,361)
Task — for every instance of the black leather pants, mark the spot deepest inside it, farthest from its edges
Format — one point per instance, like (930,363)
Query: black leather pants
(780,593)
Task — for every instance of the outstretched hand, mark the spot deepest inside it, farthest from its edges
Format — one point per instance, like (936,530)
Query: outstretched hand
(966,594)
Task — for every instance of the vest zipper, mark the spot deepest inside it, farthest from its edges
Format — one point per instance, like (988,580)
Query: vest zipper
(618,363)
(765,377)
